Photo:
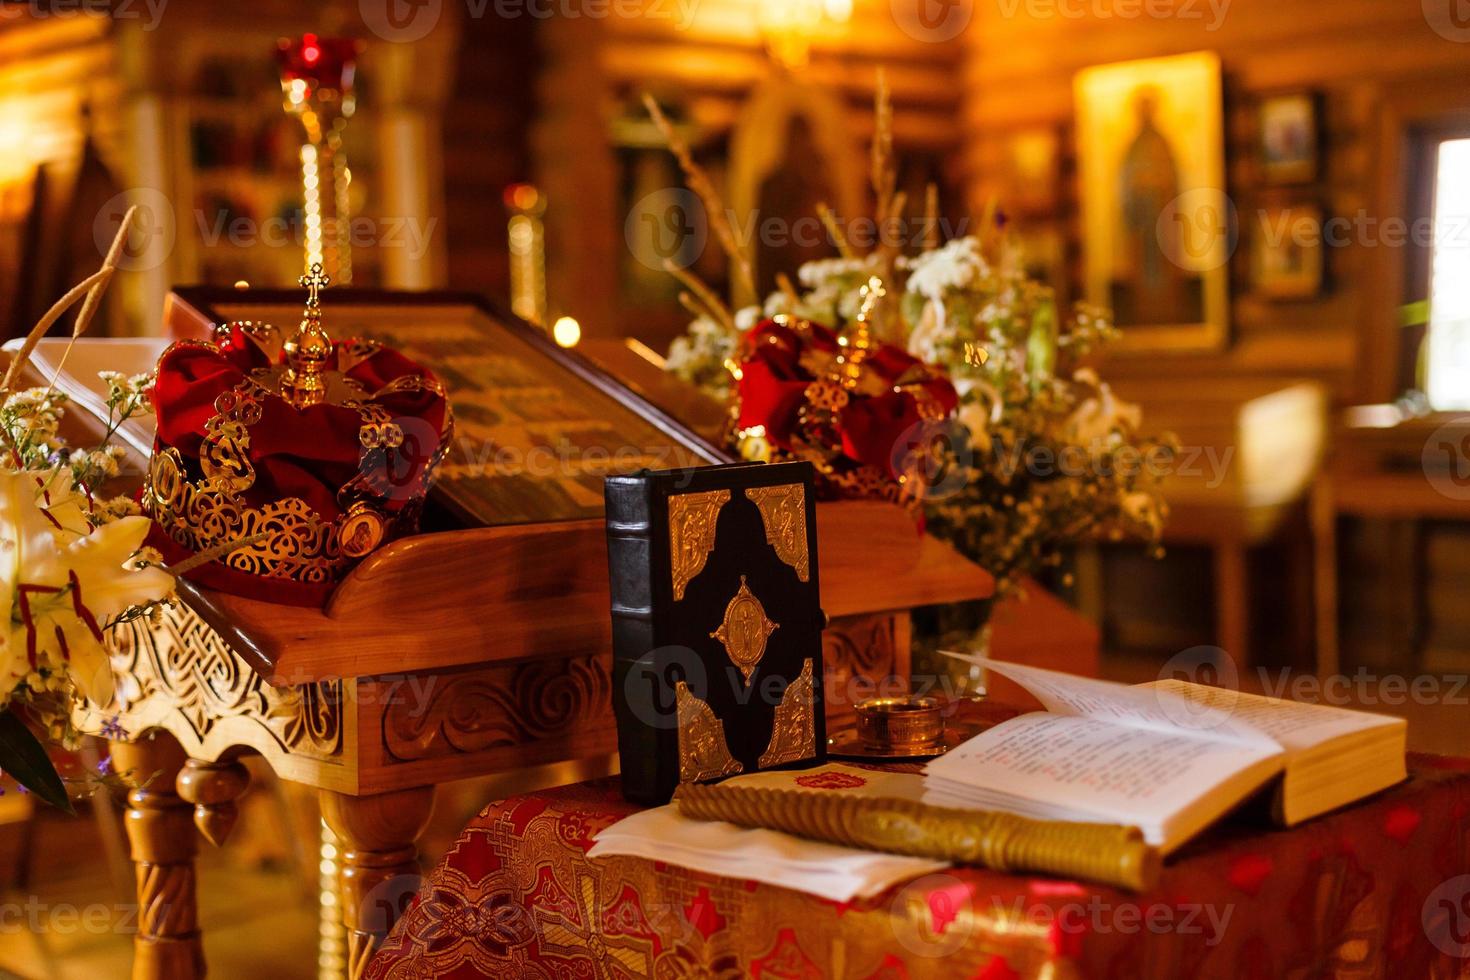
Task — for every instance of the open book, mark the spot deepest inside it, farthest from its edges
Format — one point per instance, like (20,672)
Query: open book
(1168,757)
(74,369)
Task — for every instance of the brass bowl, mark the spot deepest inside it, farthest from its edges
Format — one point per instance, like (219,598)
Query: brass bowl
(900,726)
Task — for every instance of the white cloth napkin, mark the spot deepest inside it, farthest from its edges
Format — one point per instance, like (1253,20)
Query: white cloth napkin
(839,874)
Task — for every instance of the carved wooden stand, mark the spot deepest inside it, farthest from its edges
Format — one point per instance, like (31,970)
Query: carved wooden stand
(441,657)
(374,747)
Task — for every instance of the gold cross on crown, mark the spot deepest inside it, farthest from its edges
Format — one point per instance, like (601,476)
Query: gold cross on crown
(315,281)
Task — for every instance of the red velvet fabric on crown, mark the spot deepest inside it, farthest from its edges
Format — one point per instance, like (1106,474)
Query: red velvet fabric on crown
(246,456)
(874,427)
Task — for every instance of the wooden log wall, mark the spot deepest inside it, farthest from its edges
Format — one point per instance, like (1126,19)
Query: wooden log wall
(1378,66)
(594,69)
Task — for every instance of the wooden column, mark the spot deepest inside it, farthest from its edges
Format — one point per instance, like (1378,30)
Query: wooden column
(1232,599)
(1324,575)
(161,836)
(380,869)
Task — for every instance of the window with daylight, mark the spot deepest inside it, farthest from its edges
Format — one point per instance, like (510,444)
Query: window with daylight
(1448,359)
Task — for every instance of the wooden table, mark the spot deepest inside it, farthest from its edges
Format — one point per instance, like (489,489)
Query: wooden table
(451,655)
(1383,468)
(1249,450)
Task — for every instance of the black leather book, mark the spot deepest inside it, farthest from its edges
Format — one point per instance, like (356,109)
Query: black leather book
(717,624)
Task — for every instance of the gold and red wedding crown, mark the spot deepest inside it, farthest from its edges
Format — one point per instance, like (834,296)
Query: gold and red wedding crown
(310,453)
(864,413)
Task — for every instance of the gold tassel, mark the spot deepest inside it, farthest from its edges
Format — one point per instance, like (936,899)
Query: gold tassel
(1106,853)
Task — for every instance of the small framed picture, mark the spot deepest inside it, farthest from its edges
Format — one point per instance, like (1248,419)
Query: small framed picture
(1289,255)
(1291,144)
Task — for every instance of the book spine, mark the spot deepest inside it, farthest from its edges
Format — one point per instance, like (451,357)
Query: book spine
(629,507)
(638,700)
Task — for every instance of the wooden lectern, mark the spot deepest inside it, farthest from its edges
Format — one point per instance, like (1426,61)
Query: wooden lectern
(461,652)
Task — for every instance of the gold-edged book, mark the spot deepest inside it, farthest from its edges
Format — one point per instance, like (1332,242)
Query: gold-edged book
(1169,757)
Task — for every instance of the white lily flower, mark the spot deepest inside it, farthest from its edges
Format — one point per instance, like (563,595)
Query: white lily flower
(64,588)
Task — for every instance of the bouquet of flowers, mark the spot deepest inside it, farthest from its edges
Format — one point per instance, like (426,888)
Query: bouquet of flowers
(1039,454)
(72,561)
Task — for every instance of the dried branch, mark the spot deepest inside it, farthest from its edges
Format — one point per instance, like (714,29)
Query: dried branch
(834,228)
(700,183)
(94,295)
(178,569)
(718,310)
(23,355)
(92,287)
(884,177)
(931,217)
(788,288)
(694,307)
(900,201)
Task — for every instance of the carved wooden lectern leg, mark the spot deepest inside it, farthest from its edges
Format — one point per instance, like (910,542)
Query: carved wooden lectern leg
(380,872)
(162,840)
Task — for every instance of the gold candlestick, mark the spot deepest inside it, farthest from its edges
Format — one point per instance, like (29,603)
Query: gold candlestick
(1107,853)
(527,233)
(317,85)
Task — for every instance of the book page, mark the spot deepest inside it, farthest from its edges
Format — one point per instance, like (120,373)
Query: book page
(1120,772)
(78,365)
(1292,724)
(1144,706)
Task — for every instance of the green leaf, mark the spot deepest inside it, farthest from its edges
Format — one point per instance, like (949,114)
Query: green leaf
(1041,345)
(24,759)
(911,305)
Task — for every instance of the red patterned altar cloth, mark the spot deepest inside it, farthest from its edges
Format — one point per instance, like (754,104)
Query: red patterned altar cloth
(1378,890)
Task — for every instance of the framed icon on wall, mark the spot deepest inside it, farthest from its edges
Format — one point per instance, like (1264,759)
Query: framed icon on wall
(1158,227)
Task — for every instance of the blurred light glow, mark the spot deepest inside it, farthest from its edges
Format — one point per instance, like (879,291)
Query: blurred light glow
(790,26)
(312,205)
(18,136)
(566,331)
(1449,286)
(522,197)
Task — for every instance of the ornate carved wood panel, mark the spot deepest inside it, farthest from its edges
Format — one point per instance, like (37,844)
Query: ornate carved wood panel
(495,707)
(539,704)
(859,652)
(177,674)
